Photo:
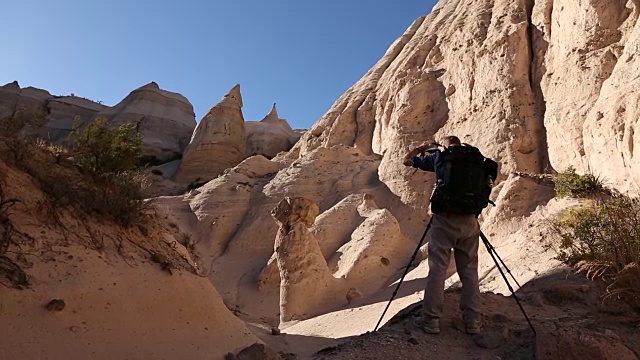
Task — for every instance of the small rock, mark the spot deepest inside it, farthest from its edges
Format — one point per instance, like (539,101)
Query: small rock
(489,339)
(159,258)
(353,294)
(229,356)
(584,288)
(275,331)
(258,351)
(611,334)
(414,341)
(385,261)
(56,305)
(164,262)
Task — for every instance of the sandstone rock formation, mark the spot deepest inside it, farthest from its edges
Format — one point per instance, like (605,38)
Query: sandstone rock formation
(166,122)
(375,251)
(218,142)
(332,229)
(497,74)
(65,112)
(307,286)
(463,69)
(47,116)
(22,106)
(212,214)
(270,136)
(228,222)
(586,68)
(359,242)
(312,283)
(164,119)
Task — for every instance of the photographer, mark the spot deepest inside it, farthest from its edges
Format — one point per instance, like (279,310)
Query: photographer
(464,180)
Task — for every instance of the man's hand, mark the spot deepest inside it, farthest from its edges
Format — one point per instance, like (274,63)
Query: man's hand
(419,150)
(433,145)
(423,147)
(407,158)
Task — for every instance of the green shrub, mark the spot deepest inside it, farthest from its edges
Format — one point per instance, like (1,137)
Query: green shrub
(103,150)
(108,183)
(603,240)
(608,231)
(570,184)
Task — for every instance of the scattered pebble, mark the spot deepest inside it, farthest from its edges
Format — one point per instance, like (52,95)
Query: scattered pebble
(275,331)
(611,334)
(353,294)
(159,258)
(56,305)
(414,341)
(489,339)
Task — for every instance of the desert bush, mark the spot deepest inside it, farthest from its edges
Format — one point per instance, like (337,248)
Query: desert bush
(20,124)
(10,126)
(570,184)
(603,240)
(95,175)
(104,150)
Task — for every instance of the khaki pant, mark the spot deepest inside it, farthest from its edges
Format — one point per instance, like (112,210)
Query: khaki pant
(460,233)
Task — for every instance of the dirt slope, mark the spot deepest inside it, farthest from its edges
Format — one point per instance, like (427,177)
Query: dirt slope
(127,293)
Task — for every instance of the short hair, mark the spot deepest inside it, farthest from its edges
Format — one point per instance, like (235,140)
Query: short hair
(452,141)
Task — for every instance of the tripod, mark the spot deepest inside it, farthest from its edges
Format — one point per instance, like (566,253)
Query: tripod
(494,255)
(406,270)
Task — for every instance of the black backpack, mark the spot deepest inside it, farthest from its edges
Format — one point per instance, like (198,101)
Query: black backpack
(467,182)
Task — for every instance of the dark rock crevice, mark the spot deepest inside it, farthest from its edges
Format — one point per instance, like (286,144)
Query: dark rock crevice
(538,46)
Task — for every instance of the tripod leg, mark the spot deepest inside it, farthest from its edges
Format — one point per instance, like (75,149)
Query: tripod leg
(492,249)
(406,270)
(488,246)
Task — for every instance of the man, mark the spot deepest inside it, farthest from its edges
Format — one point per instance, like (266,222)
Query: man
(450,229)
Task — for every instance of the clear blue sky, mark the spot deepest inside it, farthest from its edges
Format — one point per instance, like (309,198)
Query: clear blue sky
(301,54)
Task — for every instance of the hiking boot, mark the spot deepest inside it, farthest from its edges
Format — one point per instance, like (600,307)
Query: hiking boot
(431,326)
(473,327)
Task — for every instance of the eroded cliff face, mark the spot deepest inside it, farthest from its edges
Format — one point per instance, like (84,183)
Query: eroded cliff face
(537,85)
(587,71)
(164,119)
(464,69)
(37,111)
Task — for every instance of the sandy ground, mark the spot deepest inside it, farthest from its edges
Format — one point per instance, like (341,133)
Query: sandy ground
(557,304)
(115,310)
